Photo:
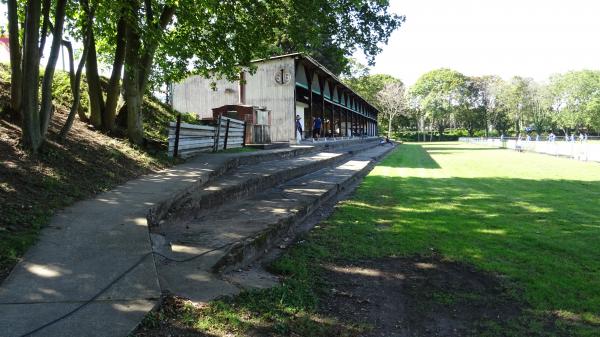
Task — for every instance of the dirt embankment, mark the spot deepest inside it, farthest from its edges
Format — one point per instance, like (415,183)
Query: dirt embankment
(87,162)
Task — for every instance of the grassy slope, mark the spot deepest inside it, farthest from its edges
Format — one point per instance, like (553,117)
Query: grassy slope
(532,218)
(88,162)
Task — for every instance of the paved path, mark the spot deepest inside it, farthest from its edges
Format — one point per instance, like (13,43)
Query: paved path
(89,245)
(94,261)
(85,248)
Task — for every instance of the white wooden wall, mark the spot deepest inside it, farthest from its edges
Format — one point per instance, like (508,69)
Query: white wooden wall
(195,95)
(263,90)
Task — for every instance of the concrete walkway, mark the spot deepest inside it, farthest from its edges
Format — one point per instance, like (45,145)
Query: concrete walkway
(94,262)
(85,248)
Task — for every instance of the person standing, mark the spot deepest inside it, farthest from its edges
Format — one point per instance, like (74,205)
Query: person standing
(299,126)
(317,123)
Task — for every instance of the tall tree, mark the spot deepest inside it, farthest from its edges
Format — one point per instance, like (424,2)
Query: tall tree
(32,137)
(392,101)
(36,116)
(16,78)
(46,109)
(518,96)
(215,38)
(369,86)
(471,114)
(573,96)
(75,75)
(440,93)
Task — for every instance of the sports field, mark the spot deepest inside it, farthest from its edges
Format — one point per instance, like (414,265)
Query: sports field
(478,241)
(532,218)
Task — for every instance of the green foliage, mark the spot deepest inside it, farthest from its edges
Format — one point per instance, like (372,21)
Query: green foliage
(369,87)
(216,38)
(63,95)
(438,94)
(575,95)
(331,31)
(158,115)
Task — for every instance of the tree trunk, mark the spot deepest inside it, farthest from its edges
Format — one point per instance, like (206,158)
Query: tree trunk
(138,67)
(131,83)
(16,78)
(75,83)
(32,138)
(45,25)
(114,87)
(46,110)
(431,131)
(94,86)
(390,127)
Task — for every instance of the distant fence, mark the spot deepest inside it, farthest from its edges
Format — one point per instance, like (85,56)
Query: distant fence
(186,139)
(576,149)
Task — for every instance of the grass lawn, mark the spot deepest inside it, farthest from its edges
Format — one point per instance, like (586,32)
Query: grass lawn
(532,221)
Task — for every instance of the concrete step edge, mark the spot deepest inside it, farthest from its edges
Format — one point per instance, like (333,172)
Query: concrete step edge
(255,246)
(197,201)
(159,212)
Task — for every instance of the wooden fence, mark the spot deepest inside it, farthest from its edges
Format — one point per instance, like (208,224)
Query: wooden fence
(186,140)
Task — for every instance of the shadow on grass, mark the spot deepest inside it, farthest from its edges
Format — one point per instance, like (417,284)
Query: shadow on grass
(542,234)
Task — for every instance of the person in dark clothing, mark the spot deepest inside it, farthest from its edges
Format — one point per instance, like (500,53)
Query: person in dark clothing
(298,125)
(317,127)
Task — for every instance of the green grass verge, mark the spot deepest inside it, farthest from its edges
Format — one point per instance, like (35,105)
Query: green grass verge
(533,218)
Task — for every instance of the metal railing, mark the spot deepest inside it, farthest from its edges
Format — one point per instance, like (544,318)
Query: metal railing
(580,149)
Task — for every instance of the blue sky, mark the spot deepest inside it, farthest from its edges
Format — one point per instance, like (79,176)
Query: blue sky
(531,38)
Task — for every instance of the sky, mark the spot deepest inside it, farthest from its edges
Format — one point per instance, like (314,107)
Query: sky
(532,38)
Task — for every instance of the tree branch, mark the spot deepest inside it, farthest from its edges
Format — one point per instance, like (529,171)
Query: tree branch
(46,23)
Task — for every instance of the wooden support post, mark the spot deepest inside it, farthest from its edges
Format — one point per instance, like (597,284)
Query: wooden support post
(217,134)
(177,128)
(332,121)
(226,134)
(346,124)
(244,136)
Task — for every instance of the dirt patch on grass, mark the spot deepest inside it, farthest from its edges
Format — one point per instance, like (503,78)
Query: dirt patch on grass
(169,320)
(421,296)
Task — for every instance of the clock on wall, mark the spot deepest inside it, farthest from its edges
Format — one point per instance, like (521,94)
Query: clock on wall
(283,76)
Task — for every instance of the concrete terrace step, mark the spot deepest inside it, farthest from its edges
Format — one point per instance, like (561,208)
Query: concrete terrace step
(240,232)
(212,166)
(246,180)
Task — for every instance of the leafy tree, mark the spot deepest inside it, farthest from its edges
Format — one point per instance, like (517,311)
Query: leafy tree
(392,101)
(518,97)
(439,94)
(483,96)
(593,113)
(540,114)
(574,98)
(369,87)
(332,30)
(163,41)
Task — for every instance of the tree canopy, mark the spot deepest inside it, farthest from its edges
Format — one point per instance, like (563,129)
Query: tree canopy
(151,42)
(439,94)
